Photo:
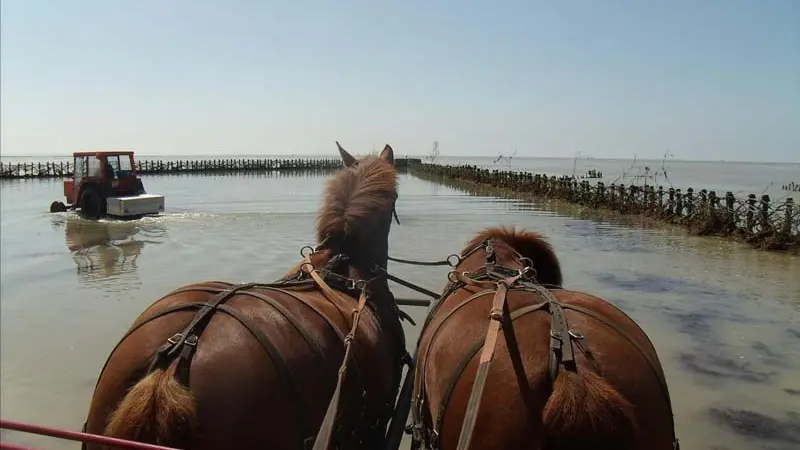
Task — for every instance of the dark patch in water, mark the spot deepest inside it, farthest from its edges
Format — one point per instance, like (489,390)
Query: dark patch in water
(656,284)
(738,318)
(705,303)
(696,324)
(756,425)
(793,333)
(767,356)
(792,391)
(610,238)
(721,367)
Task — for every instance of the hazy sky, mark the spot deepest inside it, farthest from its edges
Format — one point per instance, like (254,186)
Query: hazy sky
(703,79)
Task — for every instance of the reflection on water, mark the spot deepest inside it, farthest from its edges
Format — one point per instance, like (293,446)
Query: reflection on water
(107,248)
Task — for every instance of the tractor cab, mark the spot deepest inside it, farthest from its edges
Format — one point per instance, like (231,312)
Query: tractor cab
(112,173)
(105,182)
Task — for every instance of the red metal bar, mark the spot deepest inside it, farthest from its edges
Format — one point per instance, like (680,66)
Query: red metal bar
(7,446)
(72,436)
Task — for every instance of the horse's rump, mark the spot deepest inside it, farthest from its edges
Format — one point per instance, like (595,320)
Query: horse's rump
(269,352)
(453,338)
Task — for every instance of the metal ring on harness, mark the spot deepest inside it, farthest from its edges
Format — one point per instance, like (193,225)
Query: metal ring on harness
(450,260)
(306,251)
(452,276)
(576,334)
(527,271)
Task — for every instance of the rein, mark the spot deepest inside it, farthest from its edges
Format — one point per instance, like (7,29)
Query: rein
(452,260)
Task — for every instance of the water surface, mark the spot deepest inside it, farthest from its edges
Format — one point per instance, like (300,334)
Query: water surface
(723,317)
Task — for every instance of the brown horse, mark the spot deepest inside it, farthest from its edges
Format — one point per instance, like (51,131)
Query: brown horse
(214,365)
(571,371)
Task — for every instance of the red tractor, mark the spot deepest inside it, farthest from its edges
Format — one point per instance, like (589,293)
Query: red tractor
(105,183)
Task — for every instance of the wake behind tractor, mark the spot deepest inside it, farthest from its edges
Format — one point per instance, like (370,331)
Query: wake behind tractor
(106,183)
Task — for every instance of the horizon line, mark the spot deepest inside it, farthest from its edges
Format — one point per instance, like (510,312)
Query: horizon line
(423,157)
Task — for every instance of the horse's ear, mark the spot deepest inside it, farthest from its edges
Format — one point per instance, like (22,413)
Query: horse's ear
(348,159)
(387,154)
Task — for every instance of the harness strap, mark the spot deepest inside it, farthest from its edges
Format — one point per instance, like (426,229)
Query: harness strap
(323,439)
(496,318)
(561,337)
(462,365)
(653,365)
(333,296)
(185,342)
(420,400)
(163,312)
(321,357)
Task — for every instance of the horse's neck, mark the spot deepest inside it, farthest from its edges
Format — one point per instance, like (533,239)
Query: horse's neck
(386,309)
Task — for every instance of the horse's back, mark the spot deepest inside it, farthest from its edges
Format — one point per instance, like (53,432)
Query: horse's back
(448,361)
(451,343)
(264,368)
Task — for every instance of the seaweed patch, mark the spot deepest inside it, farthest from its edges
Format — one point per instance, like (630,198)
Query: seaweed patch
(767,356)
(653,284)
(696,324)
(719,367)
(609,238)
(759,426)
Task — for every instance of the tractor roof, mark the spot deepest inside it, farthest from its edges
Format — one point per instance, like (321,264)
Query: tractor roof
(101,153)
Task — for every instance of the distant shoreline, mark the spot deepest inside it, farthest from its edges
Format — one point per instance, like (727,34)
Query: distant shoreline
(44,158)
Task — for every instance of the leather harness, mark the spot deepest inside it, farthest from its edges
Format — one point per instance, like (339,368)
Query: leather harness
(498,281)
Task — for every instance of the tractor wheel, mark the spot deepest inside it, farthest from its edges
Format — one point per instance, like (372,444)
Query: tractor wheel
(93,205)
(57,207)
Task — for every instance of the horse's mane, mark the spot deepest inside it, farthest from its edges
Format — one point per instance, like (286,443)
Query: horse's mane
(530,245)
(354,196)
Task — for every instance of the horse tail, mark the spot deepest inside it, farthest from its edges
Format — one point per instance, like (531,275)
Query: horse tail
(584,410)
(156,410)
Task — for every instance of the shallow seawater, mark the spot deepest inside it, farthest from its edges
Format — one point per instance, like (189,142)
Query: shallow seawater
(724,318)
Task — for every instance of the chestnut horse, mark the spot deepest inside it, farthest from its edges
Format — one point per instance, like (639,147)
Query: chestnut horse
(214,365)
(570,370)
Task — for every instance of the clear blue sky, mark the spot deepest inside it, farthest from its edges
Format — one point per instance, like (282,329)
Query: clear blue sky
(703,79)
